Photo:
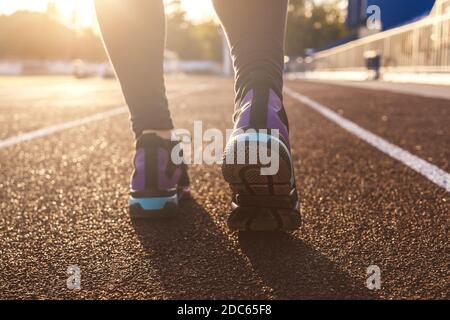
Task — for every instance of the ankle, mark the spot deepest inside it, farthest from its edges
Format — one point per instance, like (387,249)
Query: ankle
(165,134)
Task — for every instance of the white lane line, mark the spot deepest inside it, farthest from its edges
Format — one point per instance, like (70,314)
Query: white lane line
(428,170)
(59,127)
(78,122)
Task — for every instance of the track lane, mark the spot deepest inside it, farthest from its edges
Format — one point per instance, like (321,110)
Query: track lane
(361,207)
(67,205)
(426,169)
(416,124)
(32,103)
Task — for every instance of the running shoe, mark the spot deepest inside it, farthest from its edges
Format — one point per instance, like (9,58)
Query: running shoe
(157,184)
(269,201)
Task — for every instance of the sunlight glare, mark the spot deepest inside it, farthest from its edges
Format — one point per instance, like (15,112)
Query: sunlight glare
(81,13)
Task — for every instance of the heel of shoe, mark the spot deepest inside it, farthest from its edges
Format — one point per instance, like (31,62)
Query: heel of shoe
(260,202)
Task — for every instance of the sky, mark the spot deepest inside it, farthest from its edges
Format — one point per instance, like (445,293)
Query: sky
(196,9)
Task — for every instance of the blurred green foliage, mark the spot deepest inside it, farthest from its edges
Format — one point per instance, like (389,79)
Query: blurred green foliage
(313,25)
(192,40)
(37,35)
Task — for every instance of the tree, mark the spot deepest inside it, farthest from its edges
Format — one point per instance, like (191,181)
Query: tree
(191,40)
(36,35)
(312,25)
(39,35)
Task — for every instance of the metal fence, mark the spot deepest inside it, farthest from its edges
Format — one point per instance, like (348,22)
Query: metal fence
(422,46)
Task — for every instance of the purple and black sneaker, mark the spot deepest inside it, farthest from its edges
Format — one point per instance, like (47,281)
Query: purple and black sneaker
(262,200)
(157,184)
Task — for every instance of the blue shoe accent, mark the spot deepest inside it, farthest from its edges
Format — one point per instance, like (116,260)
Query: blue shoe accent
(261,137)
(153,203)
(252,136)
(157,184)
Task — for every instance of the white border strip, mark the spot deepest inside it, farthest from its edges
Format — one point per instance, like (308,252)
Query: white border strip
(78,122)
(428,170)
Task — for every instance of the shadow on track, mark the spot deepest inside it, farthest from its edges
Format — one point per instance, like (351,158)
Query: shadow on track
(294,270)
(195,260)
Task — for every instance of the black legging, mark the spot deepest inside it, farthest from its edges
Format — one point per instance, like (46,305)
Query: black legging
(134,35)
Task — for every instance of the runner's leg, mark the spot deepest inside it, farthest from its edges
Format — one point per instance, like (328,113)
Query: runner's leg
(134,35)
